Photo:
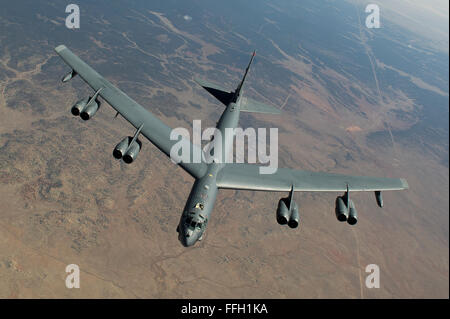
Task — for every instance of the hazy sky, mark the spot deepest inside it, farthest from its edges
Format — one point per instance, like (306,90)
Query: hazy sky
(427,18)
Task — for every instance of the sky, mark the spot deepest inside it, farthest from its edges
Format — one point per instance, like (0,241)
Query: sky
(427,18)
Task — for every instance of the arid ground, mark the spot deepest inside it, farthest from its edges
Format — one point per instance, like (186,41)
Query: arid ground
(354,100)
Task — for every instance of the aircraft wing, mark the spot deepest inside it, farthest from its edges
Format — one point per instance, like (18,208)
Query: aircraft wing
(153,129)
(247,177)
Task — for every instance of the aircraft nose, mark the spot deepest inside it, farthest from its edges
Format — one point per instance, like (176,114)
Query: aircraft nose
(188,241)
(188,238)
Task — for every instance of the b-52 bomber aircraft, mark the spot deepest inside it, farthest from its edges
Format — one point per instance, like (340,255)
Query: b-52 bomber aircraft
(210,177)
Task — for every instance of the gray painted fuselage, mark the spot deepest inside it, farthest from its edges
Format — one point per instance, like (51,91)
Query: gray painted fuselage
(203,194)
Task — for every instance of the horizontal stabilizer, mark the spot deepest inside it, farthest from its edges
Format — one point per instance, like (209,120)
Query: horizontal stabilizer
(250,105)
(219,93)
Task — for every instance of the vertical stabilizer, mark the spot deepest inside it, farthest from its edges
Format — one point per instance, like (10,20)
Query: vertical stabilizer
(239,87)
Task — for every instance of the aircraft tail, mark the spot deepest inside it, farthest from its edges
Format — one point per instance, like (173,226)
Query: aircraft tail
(226,96)
(239,88)
(223,95)
(250,105)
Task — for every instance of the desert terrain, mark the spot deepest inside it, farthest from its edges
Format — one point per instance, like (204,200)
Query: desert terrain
(354,100)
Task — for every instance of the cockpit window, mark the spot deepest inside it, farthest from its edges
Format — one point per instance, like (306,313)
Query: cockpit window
(199,205)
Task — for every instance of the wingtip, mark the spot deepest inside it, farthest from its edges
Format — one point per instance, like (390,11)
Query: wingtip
(60,47)
(198,81)
(277,112)
(404,183)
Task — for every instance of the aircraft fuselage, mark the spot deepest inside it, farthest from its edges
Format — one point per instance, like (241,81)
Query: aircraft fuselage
(202,197)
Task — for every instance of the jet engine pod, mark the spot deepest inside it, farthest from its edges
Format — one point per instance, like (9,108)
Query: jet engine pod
(90,110)
(79,106)
(295,216)
(132,152)
(341,209)
(352,214)
(121,148)
(283,213)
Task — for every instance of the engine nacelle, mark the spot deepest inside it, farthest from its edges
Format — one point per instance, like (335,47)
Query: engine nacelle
(132,152)
(121,148)
(352,214)
(90,110)
(79,107)
(294,219)
(283,213)
(341,209)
